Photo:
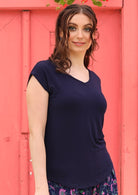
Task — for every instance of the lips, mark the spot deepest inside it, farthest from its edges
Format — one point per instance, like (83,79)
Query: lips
(79,43)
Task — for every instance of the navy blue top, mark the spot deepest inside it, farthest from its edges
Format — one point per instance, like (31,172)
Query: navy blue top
(76,154)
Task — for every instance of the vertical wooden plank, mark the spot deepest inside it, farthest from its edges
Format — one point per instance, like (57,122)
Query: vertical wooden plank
(129,168)
(24,154)
(9,101)
(26,50)
(24,168)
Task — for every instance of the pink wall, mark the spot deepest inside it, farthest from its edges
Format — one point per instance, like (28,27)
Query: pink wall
(27,36)
(129,125)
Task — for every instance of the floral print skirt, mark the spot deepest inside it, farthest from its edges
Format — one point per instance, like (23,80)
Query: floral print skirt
(108,187)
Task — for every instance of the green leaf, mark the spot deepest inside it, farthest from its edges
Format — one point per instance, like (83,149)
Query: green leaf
(69,2)
(57,8)
(57,1)
(62,2)
(47,5)
(98,3)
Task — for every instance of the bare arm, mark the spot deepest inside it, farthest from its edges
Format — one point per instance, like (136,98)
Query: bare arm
(37,104)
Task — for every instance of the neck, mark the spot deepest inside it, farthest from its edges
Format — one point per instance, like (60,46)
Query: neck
(77,60)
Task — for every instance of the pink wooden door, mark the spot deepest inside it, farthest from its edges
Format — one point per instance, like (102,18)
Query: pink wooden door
(27,36)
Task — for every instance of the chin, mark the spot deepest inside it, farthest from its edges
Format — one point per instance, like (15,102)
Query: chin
(78,50)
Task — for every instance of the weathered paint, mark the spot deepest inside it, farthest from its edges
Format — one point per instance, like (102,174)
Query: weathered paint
(27,37)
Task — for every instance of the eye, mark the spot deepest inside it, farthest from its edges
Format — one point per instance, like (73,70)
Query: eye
(72,28)
(88,29)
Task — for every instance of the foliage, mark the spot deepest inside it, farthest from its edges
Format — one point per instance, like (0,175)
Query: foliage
(69,2)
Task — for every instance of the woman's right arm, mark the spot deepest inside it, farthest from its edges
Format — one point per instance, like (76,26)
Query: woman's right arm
(37,105)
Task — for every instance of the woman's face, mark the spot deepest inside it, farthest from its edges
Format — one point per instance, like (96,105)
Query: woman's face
(80,27)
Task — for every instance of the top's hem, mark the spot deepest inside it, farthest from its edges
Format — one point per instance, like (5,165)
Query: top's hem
(77,186)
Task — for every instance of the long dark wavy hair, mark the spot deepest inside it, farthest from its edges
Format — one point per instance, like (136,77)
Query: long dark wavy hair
(60,54)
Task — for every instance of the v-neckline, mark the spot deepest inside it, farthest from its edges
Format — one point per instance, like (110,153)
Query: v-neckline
(78,80)
(74,78)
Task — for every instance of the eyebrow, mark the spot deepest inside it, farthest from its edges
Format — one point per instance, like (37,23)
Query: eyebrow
(89,24)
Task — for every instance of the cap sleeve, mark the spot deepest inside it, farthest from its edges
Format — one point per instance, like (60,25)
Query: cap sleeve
(39,71)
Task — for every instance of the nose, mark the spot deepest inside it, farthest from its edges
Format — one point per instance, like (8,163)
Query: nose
(80,33)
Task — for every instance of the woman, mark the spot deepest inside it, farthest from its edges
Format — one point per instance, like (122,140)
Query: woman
(66,112)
